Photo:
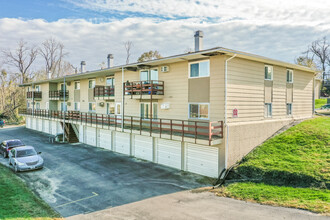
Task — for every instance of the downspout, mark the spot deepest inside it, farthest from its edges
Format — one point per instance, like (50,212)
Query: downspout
(227,129)
(32,99)
(122,99)
(64,88)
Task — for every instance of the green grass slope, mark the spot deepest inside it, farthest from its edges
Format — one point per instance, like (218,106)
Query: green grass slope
(291,169)
(319,103)
(18,202)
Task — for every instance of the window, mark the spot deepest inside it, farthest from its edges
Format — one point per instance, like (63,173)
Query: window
(63,106)
(268,72)
(92,106)
(37,88)
(268,110)
(199,69)
(118,108)
(91,84)
(110,108)
(289,76)
(28,104)
(145,110)
(77,106)
(77,85)
(37,105)
(110,82)
(63,87)
(199,111)
(289,108)
(47,105)
(146,75)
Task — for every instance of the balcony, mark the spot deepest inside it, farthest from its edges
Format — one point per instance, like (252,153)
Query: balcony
(58,95)
(104,93)
(207,133)
(34,95)
(152,89)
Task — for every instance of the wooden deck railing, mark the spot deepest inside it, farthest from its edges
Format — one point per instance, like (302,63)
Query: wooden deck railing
(34,94)
(58,94)
(166,128)
(104,91)
(150,87)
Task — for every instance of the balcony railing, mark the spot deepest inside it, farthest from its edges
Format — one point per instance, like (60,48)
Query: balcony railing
(104,92)
(144,88)
(34,94)
(183,130)
(58,94)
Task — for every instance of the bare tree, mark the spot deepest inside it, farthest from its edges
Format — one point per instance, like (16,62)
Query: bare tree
(22,59)
(128,46)
(319,52)
(53,53)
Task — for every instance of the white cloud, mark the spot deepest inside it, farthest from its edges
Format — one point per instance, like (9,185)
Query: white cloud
(92,42)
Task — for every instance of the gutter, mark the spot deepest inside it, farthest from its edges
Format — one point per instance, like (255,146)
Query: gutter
(227,128)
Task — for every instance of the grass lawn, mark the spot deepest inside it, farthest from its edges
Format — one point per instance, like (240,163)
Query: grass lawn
(320,102)
(291,169)
(18,202)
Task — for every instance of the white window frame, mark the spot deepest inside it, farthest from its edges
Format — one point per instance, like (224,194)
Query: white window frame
(272,68)
(65,87)
(268,114)
(116,108)
(78,105)
(149,74)
(94,83)
(287,110)
(77,87)
(35,88)
(113,81)
(65,106)
(291,71)
(108,106)
(199,103)
(200,61)
(153,109)
(38,103)
(92,109)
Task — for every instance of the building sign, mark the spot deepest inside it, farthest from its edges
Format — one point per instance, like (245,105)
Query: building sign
(235,113)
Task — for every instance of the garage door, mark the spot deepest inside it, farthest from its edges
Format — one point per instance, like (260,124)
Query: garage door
(28,122)
(122,143)
(143,147)
(105,138)
(81,134)
(34,123)
(91,136)
(169,153)
(39,124)
(46,126)
(53,127)
(202,159)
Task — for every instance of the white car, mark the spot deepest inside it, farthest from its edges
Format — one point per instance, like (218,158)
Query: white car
(25,158)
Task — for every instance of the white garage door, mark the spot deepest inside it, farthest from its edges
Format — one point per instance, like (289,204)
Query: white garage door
(143,147)
(81,134)
(40,122)
(28,122)
(91,136)
(34,123)
(46,126)
(169,153)
(122,143)
(202,159)
(105,138)
(53,127)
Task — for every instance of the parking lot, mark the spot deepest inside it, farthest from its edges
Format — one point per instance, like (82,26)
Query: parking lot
(78,178)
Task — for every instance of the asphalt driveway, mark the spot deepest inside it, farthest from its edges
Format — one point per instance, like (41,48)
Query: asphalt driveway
(78,178)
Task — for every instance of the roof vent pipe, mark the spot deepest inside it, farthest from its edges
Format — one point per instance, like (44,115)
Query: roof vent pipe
(49,75)
(82,66)
(198,40)
(110,60)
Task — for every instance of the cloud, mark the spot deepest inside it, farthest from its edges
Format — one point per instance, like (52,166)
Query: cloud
(85,40)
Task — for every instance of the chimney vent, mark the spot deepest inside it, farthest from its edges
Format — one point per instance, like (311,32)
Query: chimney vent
(49,75)
(83,65)
(110,60)
(198,40)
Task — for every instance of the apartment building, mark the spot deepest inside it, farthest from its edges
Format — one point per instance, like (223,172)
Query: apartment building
(200,112)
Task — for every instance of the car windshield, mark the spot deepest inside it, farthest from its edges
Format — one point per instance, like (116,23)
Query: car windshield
(14,143)
(26,153)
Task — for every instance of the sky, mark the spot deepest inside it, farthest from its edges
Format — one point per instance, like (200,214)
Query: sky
(91,29)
